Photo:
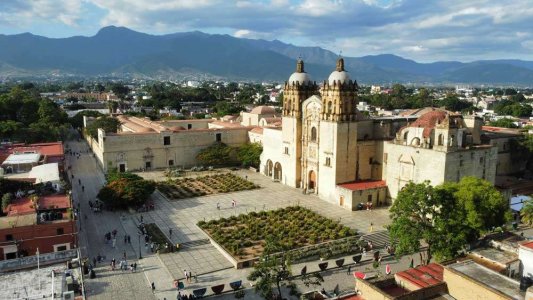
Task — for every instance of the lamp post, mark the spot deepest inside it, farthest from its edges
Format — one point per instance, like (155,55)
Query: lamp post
(140,254)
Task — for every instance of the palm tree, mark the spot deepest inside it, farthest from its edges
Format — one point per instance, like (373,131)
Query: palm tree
(527,212)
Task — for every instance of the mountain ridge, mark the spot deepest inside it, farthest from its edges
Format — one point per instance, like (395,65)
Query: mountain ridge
(123,51)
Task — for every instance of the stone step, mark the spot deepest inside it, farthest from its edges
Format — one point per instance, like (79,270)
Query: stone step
(195,243)
(379,239)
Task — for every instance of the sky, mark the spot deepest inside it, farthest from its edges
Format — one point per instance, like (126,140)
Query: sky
(422,30)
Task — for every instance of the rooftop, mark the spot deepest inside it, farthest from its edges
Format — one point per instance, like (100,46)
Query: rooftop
(490,279)
(423,276)
(363,185)
(18,221)
(24,158)
(33,283)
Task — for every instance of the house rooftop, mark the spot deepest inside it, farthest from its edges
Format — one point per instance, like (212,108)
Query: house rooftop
(423,276)
(490,279)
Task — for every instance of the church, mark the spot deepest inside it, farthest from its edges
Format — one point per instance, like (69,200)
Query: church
(325,146)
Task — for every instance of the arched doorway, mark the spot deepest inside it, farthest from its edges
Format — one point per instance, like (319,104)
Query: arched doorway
(311,185)
(269,168)
(277,171)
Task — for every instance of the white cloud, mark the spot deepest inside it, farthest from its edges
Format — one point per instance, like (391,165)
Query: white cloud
(19,13)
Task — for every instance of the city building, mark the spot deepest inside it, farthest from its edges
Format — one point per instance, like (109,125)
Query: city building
(20,158)
(325,146)
(37,222)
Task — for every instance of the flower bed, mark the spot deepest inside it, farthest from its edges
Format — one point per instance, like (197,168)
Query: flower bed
(295,227)
(204,185)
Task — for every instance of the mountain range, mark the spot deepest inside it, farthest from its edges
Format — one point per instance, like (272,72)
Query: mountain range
(119,51)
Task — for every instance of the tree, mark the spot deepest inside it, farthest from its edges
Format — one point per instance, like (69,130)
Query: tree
(249,154)
(125,190)
(6,200)
(453,103)
(527,212)
(271,270)
(108,124)
(216,154)
(446,217)
(485,207)
(77,120)
(504,122)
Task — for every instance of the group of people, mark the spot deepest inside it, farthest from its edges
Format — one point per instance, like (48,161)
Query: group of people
(233,204)
(96,206)
(111,237)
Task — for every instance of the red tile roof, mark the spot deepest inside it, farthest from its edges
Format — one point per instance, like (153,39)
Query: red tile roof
(257,130)
(53,151)
(20,206)
(428,121)
(364,185)
(55,201)
(528,244)
(423,276)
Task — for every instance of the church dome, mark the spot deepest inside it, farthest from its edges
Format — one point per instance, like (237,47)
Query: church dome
(300,76)
(263,110)
(339,75)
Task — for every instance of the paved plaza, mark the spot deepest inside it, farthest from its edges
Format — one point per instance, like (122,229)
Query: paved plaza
(197,254)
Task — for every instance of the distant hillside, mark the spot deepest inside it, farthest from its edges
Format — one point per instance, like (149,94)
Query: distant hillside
(120,51)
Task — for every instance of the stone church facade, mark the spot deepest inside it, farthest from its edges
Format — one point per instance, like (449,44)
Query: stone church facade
(326,147)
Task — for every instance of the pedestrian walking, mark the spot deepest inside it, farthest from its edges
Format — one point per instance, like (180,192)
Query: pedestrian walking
(152,247)
(190,276)
(218,205)
(371,227)
(79,181)
(186,275)
(129,239)
(349,269)
(170,232)
(114,242)
(83,188)
(124,255)
(142,219)
(233,203)
(125,239)
(153,287)
(134,267)
(94,261)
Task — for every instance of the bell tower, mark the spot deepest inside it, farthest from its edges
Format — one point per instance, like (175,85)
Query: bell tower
(339,96)
(297,89)
(338,122)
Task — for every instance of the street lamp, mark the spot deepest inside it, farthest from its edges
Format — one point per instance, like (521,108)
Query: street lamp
(140,254)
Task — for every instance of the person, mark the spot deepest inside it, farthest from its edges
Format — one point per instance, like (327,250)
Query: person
(218,205)
(153,287)
(190,276)
(233,203)
(186,275)
(349,269)
(125,239)
(170,232)
(371,227)
(79,181)
(94,261)
(114,242)
(83,188)
(129,239)
(142,218)
(113,262)
(134,266)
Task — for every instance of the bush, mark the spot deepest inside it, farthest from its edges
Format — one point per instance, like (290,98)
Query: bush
(126,190)
(6,200)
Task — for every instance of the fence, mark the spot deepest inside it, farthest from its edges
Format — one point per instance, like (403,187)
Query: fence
(31,261)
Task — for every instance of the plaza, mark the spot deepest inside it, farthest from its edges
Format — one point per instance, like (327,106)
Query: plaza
(196,254)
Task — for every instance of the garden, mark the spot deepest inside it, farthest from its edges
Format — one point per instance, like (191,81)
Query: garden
(295,228)
(204,185)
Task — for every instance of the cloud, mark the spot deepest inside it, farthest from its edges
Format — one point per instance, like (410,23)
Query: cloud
(418,29)
(20,13)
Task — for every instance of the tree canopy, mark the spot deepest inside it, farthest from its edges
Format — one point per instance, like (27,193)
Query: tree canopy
(26,117)
(108,124)
(125,190)
(504,122)
(249,154)
(77,120)
(445,217)
(513,108)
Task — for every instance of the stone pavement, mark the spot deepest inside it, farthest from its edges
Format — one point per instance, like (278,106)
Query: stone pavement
(182,216)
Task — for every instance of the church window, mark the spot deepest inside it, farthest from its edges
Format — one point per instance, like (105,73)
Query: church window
(286,150)
(218,137)
(330,107)
(441,140)
(313,134)
(328,162)
(405,135)
(171,162)
(166,140)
